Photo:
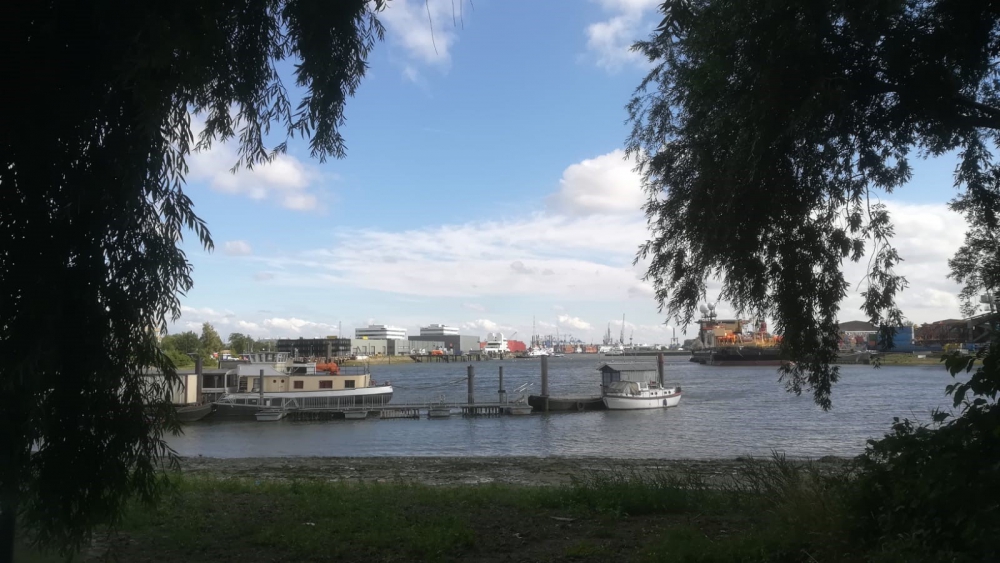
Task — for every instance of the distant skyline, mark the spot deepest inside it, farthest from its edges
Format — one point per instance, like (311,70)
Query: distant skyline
(485,184)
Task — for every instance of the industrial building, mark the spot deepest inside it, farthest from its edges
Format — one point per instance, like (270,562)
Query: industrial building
(382,332)
(414,346)
(435,331)
(369,346)
(329,347)
(453,343)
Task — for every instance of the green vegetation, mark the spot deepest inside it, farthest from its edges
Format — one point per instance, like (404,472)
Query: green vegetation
(93,193)
(769,511)
(784,122)
(929,359)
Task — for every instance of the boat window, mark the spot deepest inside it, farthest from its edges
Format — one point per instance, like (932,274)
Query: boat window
(298,385)
(349,384)
(326,385)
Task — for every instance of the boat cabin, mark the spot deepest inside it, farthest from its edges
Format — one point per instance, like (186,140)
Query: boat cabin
(182,391)
(641,373)
(298,378)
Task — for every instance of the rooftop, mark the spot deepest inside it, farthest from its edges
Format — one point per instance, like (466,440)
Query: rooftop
(629,366)
(858,326)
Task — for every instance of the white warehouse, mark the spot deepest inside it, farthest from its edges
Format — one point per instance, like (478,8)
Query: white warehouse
(380,332)
(438,330)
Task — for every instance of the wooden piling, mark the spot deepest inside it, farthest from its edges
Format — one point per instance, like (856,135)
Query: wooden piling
(659,367)
(545,381)
(472,378)
(502,393)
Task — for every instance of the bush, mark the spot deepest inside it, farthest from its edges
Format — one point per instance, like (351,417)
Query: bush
(933,491)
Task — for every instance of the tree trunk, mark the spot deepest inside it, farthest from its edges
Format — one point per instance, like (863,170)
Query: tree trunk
(8,524)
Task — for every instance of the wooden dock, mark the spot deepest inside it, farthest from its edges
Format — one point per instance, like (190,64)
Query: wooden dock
(402,410)
(448,358)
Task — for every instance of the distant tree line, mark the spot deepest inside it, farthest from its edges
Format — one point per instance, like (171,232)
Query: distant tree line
(183,347)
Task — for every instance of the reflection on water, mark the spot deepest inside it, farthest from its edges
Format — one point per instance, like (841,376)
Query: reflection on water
(726,412)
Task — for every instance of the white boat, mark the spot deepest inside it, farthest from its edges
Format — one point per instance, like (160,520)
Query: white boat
(615,350)
(627,386)
(538,351)
(270,415)
(627,395)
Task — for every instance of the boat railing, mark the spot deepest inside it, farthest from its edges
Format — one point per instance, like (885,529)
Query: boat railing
(310,403)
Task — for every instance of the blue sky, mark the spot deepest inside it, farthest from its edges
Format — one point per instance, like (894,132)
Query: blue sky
(484,185)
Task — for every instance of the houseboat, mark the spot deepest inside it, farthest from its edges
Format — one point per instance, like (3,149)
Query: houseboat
(270,381)
(185,393)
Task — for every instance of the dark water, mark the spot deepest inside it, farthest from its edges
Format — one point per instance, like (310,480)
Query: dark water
(725,412)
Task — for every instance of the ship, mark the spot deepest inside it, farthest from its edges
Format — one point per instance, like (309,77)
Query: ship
(735,342)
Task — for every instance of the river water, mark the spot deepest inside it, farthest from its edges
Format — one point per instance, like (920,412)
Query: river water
(725,412)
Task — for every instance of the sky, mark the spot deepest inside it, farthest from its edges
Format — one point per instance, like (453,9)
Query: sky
(486,187)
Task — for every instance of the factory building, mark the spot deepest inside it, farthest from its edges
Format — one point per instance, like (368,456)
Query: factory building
(369,346)
(453,343)
(380,332)
(415,346)
(329,347)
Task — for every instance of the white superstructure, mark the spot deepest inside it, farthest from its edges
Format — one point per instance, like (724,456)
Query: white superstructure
(496,344)
(438,330)
(380,332)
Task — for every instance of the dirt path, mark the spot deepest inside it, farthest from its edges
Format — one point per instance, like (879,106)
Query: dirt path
(452,470)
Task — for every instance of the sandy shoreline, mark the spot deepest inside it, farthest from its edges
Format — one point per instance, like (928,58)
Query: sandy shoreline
(456,470)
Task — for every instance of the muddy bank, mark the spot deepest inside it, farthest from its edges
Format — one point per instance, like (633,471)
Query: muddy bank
(458,470)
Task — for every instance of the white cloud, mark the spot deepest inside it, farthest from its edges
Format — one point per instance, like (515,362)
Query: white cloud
(201,315)
(285,179)
(575,252)
(293,326)
(927,235)
(482,324)
(237,248)
(250,328)
(605,184)
(609,41)
(573,322)
(424,41)
(541,255)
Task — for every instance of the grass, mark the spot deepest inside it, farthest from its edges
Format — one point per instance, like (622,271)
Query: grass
(771,511)
(930,359)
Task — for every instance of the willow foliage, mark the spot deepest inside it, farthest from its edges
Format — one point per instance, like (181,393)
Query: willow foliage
(767,128)
(93,142)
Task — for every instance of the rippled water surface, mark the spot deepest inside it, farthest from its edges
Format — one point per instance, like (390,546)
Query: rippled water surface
(725,412)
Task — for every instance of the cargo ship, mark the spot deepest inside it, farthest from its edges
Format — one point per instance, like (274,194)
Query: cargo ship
(735,342)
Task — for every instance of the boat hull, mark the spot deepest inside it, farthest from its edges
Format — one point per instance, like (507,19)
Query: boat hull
(566,404)
(192,413)
(738,356)
(246,405)
(636,402)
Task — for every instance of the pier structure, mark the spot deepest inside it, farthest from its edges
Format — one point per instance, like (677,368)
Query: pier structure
(378,406)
